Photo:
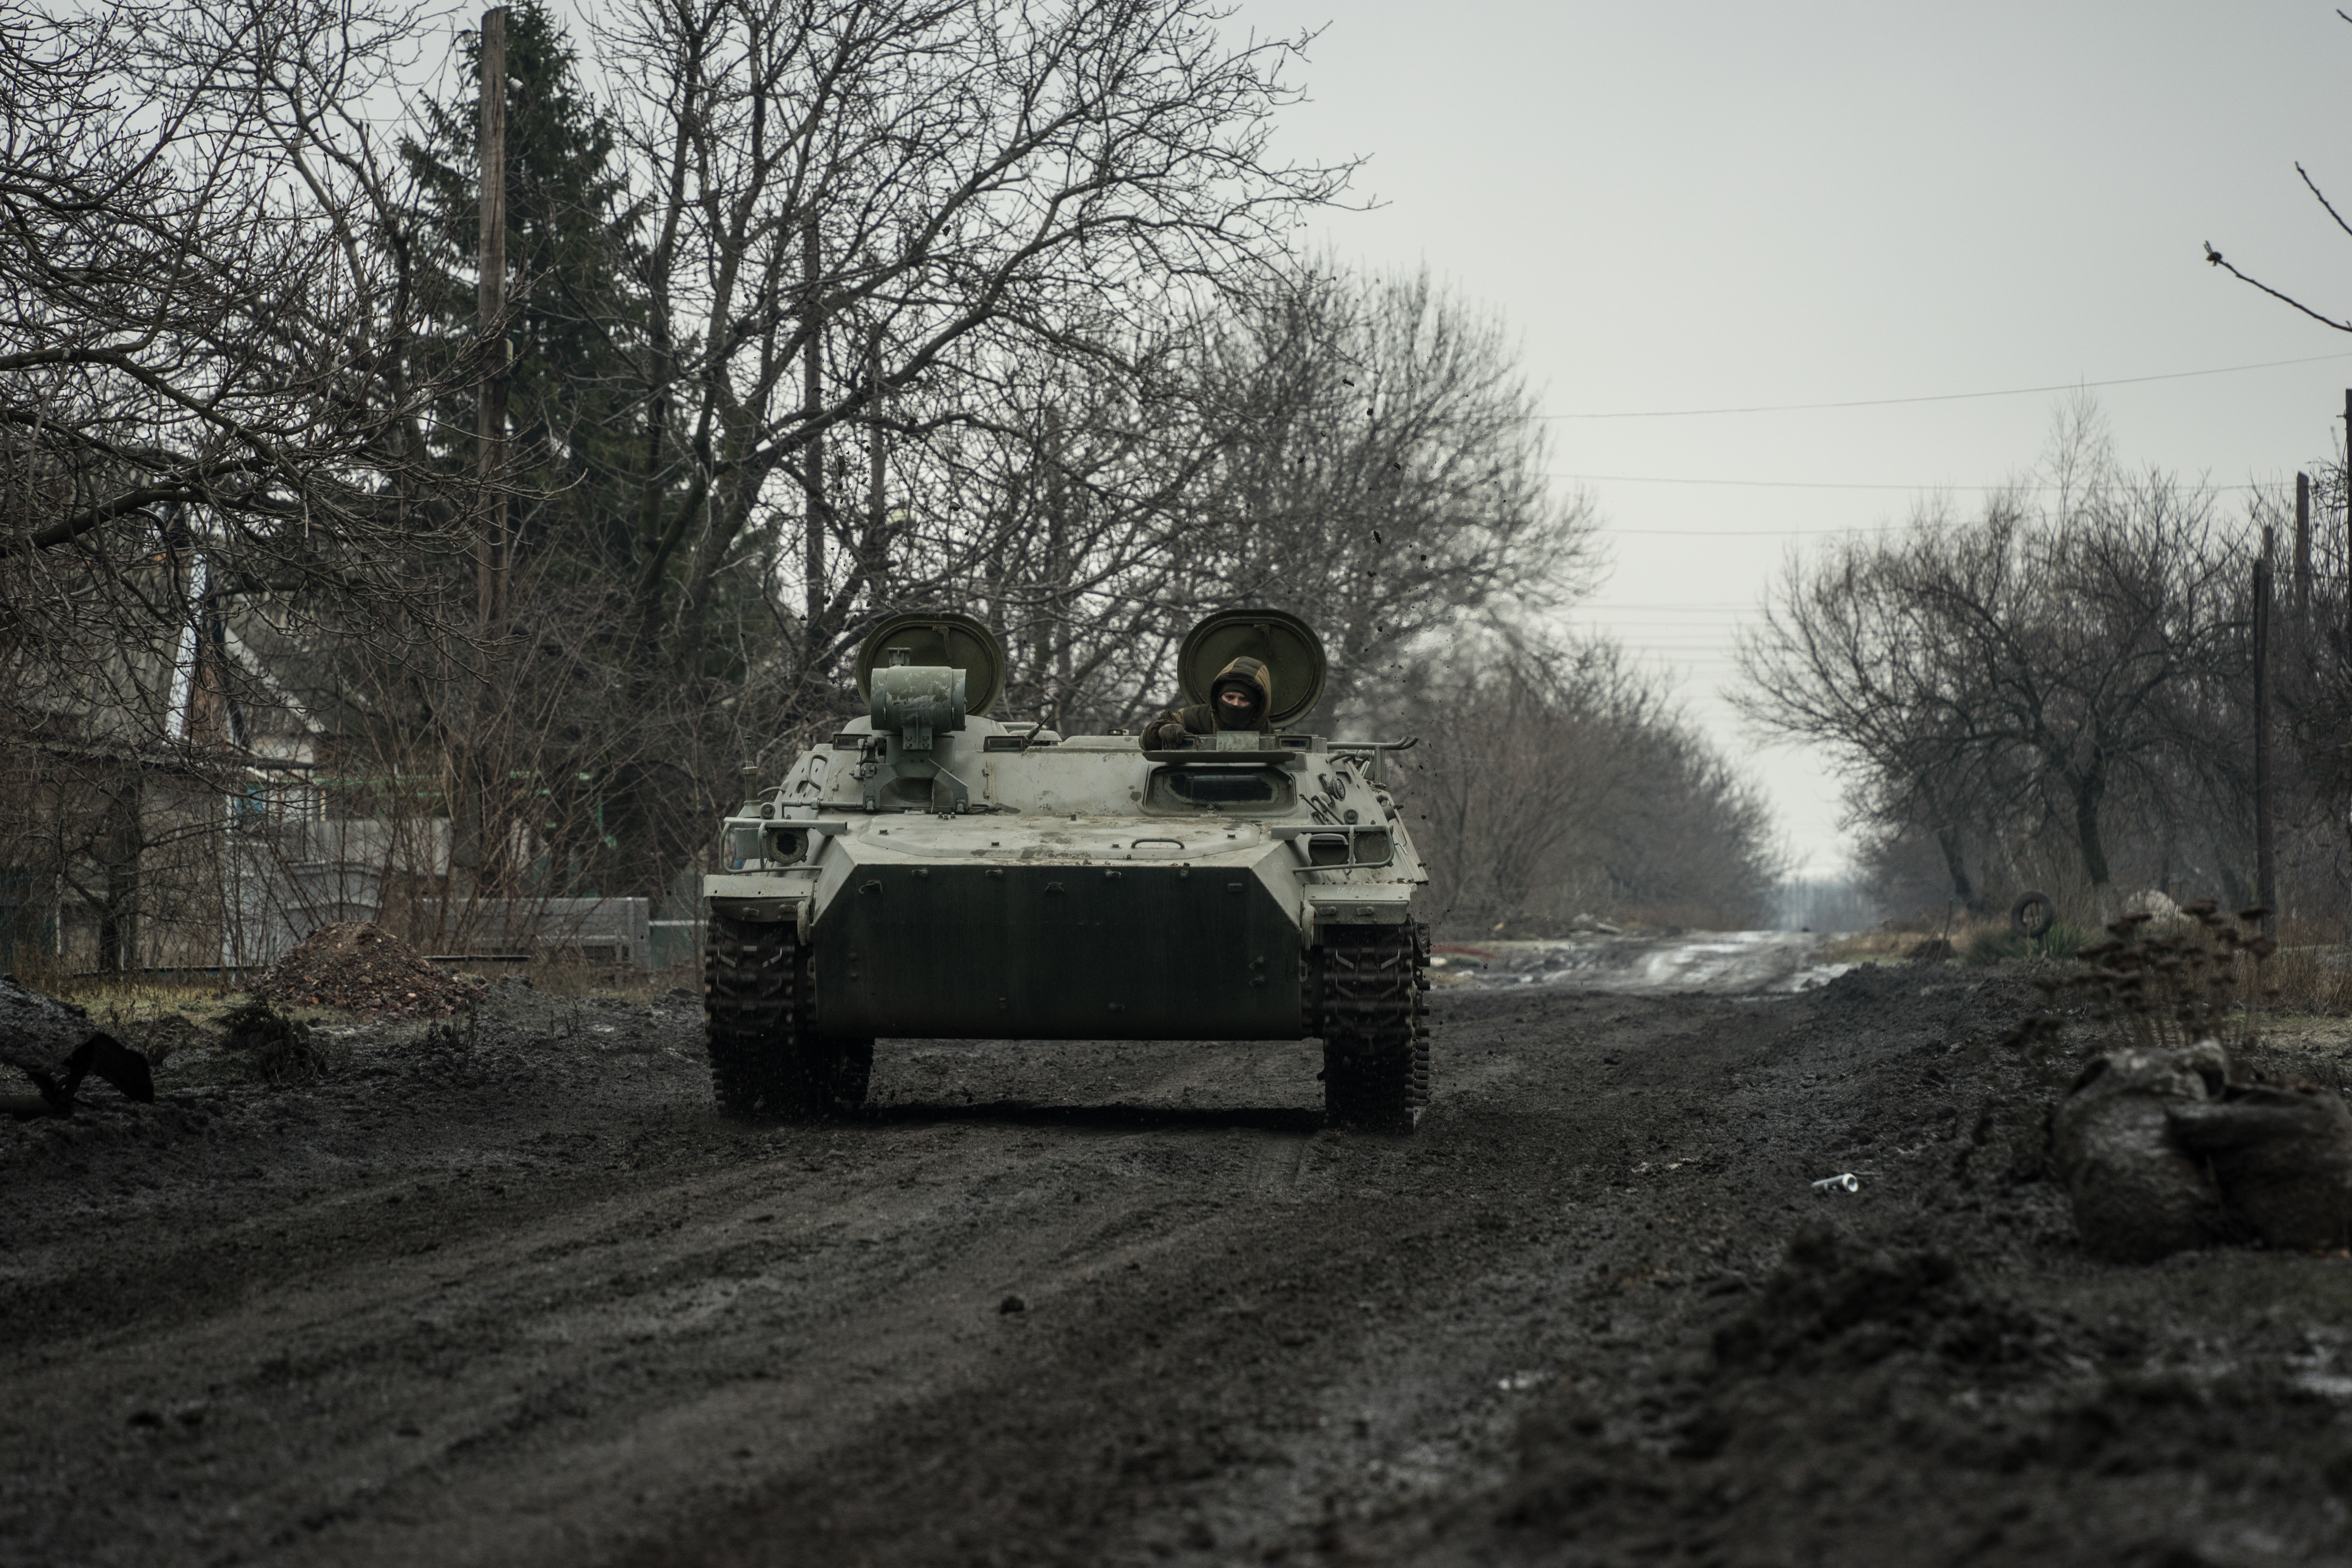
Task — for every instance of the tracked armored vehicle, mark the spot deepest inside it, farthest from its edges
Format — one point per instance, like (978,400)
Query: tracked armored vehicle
(931,872)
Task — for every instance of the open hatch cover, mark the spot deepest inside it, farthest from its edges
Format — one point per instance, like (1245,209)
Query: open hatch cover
(1286,645)
(939,637)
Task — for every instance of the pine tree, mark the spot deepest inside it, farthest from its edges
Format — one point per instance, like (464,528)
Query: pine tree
(576,391)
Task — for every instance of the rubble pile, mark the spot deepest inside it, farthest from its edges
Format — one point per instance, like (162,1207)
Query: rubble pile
(361,967)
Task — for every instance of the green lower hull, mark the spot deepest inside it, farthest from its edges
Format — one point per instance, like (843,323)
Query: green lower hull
(1143,952)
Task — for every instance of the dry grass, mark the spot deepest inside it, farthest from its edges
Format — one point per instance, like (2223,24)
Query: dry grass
(135,998)
(1879,945)
(2311,974)
(563,974)
(42,972)
(1897,940)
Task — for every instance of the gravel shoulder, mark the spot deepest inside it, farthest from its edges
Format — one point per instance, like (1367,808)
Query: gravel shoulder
(510,1292)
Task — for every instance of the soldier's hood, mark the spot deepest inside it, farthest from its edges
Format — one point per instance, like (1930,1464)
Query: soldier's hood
(1254,674)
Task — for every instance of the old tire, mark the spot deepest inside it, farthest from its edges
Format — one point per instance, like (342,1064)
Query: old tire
(1374,1024)
(764,1063)
(2032,916)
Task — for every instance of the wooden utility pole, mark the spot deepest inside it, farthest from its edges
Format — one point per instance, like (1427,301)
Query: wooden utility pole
(2266,856)
(491,407)
(877,505)
(812,403)
(1057,621)
(472,833)
(2302,546)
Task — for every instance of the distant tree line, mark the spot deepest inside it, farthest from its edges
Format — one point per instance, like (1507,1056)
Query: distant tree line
(1561,783)
(2056,690)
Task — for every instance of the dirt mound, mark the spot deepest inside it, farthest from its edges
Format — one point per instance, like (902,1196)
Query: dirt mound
(278,1048)
(1879,1403)
(362,968)
(38,1033)
(161,1037)
(54,1044)
(1835,1300)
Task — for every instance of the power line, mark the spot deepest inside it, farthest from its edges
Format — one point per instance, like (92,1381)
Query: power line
(1944,396)
(1827,484)
(1743,532)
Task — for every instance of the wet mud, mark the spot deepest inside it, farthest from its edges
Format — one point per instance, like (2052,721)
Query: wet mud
(508,1292)
(1721,963)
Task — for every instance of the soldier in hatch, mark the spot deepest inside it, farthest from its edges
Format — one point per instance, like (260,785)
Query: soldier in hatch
(1239,699)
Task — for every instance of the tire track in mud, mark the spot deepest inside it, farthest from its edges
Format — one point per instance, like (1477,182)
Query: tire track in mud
(1195,1408)
(525,1325)
(391,1370)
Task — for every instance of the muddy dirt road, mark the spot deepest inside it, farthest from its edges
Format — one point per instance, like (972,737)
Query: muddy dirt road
(516,1295)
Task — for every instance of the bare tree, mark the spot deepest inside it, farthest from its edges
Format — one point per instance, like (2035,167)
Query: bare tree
(1382,470)
(1552,784)
(1847,653)
(1070,518)
(870,214)
(205,411)
(2088,649)
(2214,257)
(195,315)
(872,252)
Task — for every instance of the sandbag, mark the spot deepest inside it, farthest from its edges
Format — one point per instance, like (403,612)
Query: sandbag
(2139,1193)
(2283,1155)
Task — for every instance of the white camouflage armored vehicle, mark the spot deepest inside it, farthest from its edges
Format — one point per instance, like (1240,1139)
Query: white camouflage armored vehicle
(930,872)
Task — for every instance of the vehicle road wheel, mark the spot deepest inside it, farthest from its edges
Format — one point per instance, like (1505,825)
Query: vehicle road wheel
(1374,1025)
(755,1009)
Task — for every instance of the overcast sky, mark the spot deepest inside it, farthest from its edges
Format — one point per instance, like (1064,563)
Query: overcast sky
(1710,206)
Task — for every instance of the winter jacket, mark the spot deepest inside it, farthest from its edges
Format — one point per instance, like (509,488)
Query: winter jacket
(1167,731)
